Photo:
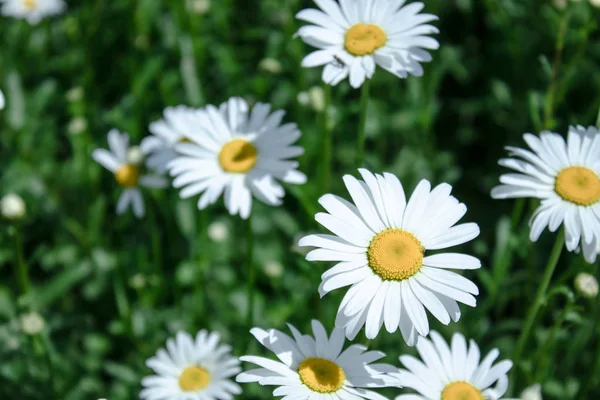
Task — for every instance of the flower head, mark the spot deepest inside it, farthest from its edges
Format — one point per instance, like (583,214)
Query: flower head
(240,152)
(32,323)
(352,37)
(12,207)
(192,369)
(586,285)
(127,173)
(380,244)
(453,372)
(317,367)
(32,10)
(565,175)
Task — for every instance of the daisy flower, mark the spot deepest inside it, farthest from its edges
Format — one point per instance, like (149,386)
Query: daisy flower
(166,133)
(239,152)
(124,162)
(352,37)
(192,369)
(32,10)
(380,244)
(453,372)
(316,367)
(566,177)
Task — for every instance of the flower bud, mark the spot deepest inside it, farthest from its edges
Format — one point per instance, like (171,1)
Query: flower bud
(13,207)
(587,285)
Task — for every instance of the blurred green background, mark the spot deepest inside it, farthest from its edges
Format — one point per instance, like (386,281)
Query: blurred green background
(500,72)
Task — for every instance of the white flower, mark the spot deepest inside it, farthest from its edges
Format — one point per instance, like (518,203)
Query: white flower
(566,177)
(218,231)
(128,175)
(270,65)
(12,207)
(355,36)
(192,370)
(452,373)
(174,128)
(586,285)
(239,152)
(2,102)
(32,10)
(32,323)
(317,368)
(380,244)
(532,393)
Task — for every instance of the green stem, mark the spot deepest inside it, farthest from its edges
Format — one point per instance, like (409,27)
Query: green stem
(558,52)
(251,273)
(592,374)
(542,353)
(121,296)
(327,141)
(537,303)
(598,119)
(364,103)
(22,269)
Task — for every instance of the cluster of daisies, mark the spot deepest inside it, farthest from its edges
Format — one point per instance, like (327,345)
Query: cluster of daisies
(389,247)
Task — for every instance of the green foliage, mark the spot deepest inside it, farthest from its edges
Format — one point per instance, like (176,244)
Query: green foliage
(112,289)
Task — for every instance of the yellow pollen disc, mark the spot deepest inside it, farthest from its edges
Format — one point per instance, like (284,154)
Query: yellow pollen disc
(30,3)
(194,378)
(395,255)
(128,176)
(579,185)
(238,156)
(321,375)
(461,391)
(363,39)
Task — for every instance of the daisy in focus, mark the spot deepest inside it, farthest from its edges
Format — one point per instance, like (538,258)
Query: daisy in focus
(124,162)
(238,152)
(317,367)
(380,244)
(566,177)
(352,37)
(192,369)
(32,10)
(166,133)
(453,372)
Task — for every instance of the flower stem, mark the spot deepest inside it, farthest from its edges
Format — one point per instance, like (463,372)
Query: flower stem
(364,103)
(22,269)
(327,141)
(537,303)
(251,273)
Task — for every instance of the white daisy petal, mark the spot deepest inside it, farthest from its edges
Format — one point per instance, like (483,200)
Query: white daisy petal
(446,371)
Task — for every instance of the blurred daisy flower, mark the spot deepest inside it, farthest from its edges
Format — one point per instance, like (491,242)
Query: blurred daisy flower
(32,10)
(177,122)
(238,152)
(566,177)
(380,244)
(124,162)
(452,372)
(192,369)
(317,367)
(352,37)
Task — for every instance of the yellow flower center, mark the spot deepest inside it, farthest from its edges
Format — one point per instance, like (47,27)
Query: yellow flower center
(184,140)
(238,156)
(461,391)
(193,379)
(579,185)
(321,375)
(30,3)
(363,39)
(395,254)
(128,175)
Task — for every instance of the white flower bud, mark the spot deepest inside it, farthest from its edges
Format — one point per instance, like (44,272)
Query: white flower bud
(32,323)
(270,65)
(586,285)
(303,98)
(13,207)
(77,126)
(532,392)
(273,269)
(135,156)
(218,232)
(75,94)
(199,7)
(317,98)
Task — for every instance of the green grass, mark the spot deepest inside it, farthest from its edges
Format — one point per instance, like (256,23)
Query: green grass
(504,68)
